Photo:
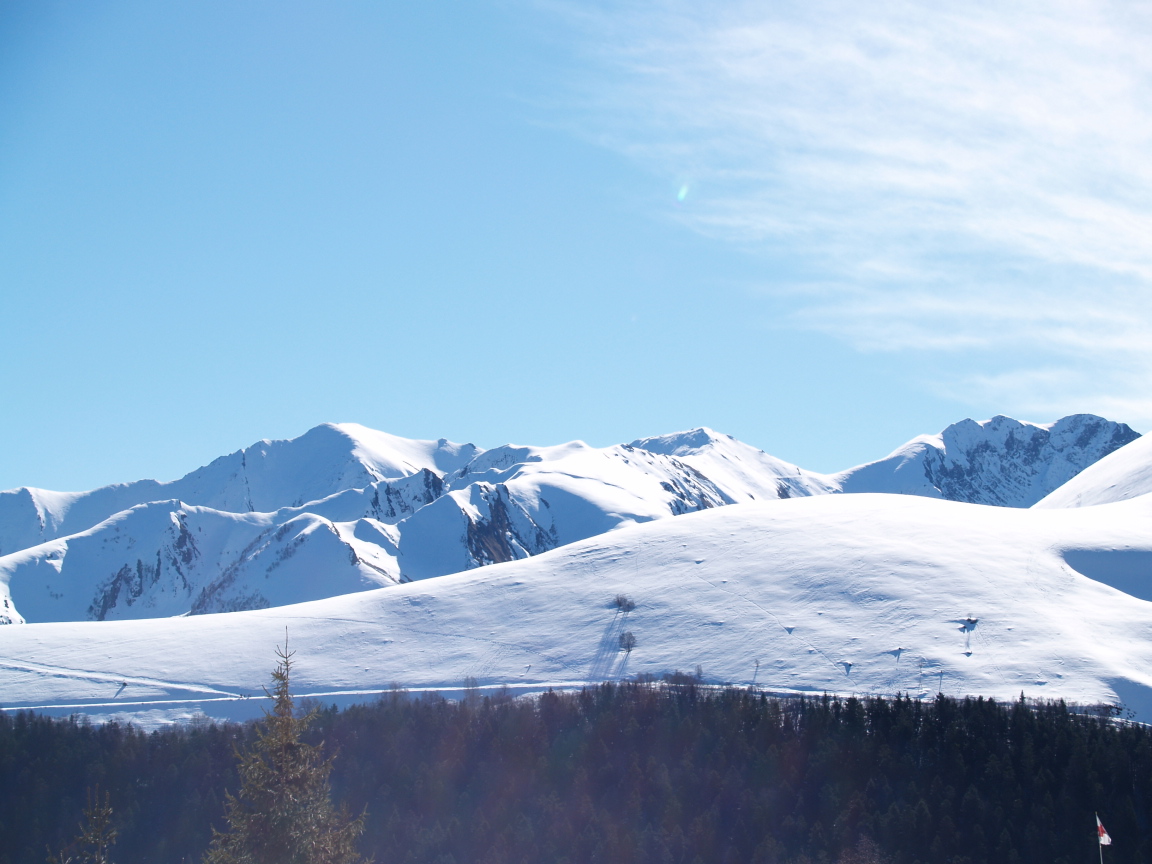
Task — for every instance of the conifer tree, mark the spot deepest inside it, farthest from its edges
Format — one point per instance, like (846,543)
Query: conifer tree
(96,835)
(283,813)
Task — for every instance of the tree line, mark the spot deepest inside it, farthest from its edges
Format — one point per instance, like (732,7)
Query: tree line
(638,771)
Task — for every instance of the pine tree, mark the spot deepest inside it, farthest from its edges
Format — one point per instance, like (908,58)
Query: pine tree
(283,813)
(96,835)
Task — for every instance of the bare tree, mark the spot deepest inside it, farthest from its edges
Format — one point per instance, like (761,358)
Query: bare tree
(624,603)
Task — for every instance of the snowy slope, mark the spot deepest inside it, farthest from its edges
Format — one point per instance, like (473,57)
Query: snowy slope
(849,594)
(999,461)
(1123,474)
(267,476)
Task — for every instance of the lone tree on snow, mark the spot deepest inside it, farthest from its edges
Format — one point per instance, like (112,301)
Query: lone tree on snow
(283,813)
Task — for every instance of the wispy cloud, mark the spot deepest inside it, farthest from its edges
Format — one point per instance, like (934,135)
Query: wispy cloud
(955,176)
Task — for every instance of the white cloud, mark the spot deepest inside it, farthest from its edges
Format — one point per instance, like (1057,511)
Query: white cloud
(956,176)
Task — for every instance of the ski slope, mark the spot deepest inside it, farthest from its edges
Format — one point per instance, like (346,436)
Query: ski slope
(865,594)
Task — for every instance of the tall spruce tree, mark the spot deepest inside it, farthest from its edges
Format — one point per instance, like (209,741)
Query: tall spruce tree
(283,813)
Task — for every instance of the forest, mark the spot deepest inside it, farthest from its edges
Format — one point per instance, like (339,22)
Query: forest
(638,771)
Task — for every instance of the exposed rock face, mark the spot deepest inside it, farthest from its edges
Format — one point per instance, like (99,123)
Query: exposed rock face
(503,530)
(137,583)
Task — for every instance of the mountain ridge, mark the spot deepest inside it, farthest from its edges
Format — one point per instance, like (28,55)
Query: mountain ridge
(459,507)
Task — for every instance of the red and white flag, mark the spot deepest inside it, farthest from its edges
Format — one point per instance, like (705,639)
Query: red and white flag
(1105,840)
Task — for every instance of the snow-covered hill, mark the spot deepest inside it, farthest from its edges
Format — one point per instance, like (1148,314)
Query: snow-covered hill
(1123,474)
(850,594)
(351,509)
(999,461)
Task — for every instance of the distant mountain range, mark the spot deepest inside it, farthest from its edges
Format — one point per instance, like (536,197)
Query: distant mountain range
(344,508)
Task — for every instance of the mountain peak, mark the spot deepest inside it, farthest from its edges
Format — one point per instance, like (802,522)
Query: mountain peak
(999,461)
(685,443)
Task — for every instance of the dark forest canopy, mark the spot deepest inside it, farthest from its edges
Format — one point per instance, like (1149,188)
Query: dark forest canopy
(627,773)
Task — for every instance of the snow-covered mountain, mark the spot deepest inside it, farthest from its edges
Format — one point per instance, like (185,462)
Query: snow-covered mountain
(999,461)
(267,476)
(170,557)
(864,594)
(344,508)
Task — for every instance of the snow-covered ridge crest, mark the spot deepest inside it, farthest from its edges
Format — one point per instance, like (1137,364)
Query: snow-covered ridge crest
(746,473)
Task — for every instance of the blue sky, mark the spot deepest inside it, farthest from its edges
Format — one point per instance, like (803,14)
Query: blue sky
(820,228)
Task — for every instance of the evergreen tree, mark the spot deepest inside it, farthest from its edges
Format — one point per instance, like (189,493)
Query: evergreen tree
(283,813)
(96,835)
